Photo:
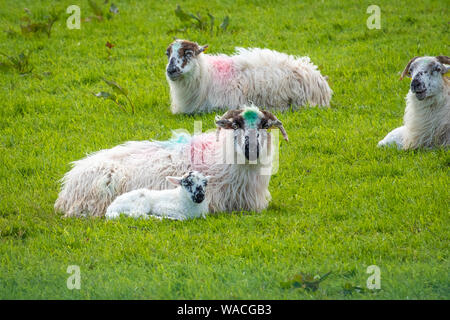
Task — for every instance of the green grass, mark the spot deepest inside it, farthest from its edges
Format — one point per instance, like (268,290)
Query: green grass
(339,203)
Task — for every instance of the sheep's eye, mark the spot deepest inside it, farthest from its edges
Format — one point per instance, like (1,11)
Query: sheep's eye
(188,54)
(264,124)
(236,125)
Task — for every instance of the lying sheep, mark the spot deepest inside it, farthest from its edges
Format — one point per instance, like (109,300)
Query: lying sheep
(202,83)
(239,164)
(181,203)
(427,113)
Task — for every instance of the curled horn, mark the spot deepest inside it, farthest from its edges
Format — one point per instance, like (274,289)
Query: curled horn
(405,72)
(277,124)
(443,59)
(230,114)
(273,122)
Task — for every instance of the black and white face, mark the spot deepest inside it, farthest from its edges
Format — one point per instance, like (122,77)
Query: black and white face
(194,183)
(250,127)
(182,56)
(426,75)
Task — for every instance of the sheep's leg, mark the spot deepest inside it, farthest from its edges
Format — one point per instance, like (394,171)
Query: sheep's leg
(394,138)
(134,204)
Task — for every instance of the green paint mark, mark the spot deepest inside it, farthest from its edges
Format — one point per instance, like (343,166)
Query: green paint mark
(251,116)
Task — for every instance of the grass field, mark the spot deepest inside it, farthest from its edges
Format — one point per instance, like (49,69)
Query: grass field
(339,203)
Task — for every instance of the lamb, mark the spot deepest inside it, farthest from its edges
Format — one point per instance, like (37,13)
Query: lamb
(181,203)
(427,113)
(239,164)
(202,83)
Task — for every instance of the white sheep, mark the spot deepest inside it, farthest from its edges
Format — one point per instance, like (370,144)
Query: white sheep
(202,83)
(427,114)
(184,202)
(239,164)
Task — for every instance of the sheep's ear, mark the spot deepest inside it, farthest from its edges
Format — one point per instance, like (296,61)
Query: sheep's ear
(443,59)
(406,70)
(174,180)
(203,48)
(445,62)
(224,123)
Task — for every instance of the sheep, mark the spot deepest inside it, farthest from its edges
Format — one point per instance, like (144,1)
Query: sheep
(239,164)
(202,83)
(181,203)
(427,114)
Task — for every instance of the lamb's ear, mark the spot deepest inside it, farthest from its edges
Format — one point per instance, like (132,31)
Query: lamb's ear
(202,48)
(174,180)
(406,70)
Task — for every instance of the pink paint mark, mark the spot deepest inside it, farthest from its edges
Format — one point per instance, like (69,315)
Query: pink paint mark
(202,150)
(222,67)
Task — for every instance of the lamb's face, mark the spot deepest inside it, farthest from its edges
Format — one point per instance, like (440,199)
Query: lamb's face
(250,129)
(426,74)
(193,183)
(182,56)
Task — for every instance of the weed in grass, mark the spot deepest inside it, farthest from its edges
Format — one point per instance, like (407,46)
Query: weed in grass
(101,11)
(305,281)
(109,47)
(199,22)
(118,90)
(35,24)
(20,62)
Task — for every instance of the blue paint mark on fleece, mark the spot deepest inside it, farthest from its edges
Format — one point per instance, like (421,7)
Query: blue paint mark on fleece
(178,139)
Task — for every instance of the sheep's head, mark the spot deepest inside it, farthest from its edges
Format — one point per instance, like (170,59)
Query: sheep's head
(250,127)
(426,74)
(182,58)
(194,183)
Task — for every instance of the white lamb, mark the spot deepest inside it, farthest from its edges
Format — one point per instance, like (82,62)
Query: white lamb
(239,164)
(184,202)
(427,113)
(202,83)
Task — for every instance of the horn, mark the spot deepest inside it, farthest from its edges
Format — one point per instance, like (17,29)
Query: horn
(273,122)
(277,124)
(443,59)
(406,70)
(230,114)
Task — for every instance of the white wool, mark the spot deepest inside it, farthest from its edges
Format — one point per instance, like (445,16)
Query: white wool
(173,204)
(394,138)
(426,123)
(95,181)
(264,77)
(426,120)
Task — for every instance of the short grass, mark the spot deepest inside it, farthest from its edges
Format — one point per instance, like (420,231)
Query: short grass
(339,203)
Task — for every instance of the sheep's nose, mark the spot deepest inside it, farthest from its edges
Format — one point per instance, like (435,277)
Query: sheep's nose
(250,147)
(172,69)
(416,85)
(199,197)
